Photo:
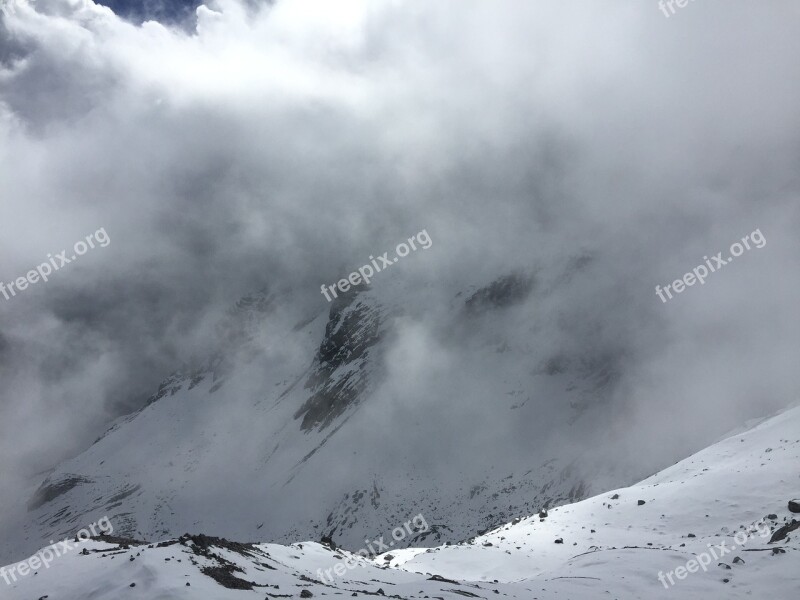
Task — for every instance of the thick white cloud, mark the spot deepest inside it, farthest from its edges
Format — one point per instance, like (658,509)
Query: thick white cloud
(283,143)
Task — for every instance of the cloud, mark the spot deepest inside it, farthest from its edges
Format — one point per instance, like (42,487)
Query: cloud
(279,144)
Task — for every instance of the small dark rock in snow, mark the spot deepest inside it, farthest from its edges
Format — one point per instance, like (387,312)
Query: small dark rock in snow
(772,516)
(691,535)
(615,497)
(723,565)
(306,594)
(640,502)
(778,551)
(542,514)
(781,533)
(133,585)
(559,541)
(794,505)
(738,561)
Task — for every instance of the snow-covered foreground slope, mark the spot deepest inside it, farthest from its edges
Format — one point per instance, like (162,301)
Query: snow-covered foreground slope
(723,514)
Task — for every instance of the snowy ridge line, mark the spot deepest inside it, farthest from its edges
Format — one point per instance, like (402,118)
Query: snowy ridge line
(611,544)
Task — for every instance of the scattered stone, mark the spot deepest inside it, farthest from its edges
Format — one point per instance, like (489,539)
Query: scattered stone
(782,532)
(133,585)
(723,565)
(794,506)
(778,551)
(442,579)
(615,497)
(691,535)
(640,503)
(327,540)
(542,513)
(738,561)
(772,516)
(306,594)
(559,541)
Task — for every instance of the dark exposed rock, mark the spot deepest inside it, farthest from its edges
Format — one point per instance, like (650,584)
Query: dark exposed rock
(223,572)
(463,593)
(782,532)
(442,579)
(123,542)
(50,490)
(794,506)
(353,330)
(224,576)
(503,292)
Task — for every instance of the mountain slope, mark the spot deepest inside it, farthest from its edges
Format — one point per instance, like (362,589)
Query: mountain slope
(612,545)
(319,407)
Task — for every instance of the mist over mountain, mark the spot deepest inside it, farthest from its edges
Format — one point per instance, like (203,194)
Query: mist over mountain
(564,159)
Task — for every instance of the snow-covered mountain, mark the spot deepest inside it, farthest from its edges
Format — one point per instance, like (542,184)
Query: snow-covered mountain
(300,425)
(720,523)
